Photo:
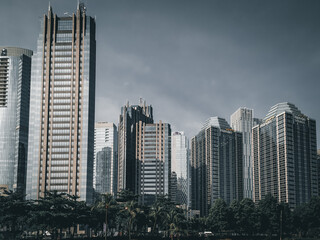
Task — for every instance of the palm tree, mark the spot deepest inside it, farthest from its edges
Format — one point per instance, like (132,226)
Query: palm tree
(106,202)
(132,209)
(156,213)
(159,209)
(174,220)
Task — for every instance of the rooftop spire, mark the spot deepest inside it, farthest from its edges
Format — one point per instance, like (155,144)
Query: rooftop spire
(49,8)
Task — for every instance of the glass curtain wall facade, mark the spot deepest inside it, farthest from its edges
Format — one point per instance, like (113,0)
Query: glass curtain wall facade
(127,162)
(61,130)
(103,171)
(105,157)
(154,161)
(242,121)
(15,71)
(285,156)
(180,165)
(216,165)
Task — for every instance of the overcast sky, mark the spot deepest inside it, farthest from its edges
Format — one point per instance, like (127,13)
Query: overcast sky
(192,59)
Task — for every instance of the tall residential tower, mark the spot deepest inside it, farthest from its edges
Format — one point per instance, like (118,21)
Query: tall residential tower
(242,121)
(284,152)
(216,165)
(15,71)
(61,128)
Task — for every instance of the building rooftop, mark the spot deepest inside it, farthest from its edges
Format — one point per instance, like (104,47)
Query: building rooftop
(282,107)
(216,122)
(15,51)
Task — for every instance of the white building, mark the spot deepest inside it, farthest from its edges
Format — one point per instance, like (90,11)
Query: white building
(242,121)
(105,157)
(180,162)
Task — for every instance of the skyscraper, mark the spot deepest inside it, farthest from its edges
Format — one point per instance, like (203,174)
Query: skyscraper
(127,162)
(61,129)
(285,156)
(153,154)
(105,157)
(15,71)
(180,165)
(242,121)
(216,165)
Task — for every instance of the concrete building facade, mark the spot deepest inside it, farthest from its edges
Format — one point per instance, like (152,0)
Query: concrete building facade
(153,153)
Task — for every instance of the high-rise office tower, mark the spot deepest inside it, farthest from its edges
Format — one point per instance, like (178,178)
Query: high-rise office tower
(284,152)
(15,70)
(242,121)
(180,165)
(127,162)
(153,154)
(105,157)
(216,165)
(61,128)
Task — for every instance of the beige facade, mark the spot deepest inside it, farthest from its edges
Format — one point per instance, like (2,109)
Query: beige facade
(66,61)
(153,154)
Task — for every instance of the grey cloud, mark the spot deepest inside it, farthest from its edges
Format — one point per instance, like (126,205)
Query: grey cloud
(192,59)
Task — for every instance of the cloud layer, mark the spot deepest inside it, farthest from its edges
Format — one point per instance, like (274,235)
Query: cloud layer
(190,59)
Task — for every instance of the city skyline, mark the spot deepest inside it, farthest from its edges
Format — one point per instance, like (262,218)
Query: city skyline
(186,59)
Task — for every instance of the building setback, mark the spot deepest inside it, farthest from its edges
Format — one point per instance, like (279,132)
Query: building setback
(61,129)
(15,71)
(180,166)
(127,162)
(216,165)
(153,154)
(105,157)
(285,156)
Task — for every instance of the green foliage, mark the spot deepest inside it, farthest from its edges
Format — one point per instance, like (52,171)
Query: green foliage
(244,215)
(268,215)
(59,211)
(13,212)
(219,219)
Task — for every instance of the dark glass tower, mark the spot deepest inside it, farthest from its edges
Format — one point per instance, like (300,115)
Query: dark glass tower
(127,130)
(15,71)
(61,130)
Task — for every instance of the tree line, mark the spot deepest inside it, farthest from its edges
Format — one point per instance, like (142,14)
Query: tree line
(60,215)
